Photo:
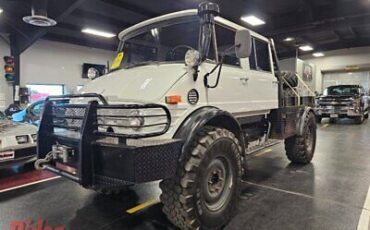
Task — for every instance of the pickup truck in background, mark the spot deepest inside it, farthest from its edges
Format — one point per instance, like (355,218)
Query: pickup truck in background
(343,101)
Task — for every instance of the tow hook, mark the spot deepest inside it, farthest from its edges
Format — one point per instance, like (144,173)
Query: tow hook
(40,163)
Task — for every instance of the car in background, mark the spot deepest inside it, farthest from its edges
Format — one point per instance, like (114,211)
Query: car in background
(17,142)
(31,114)
(343,101)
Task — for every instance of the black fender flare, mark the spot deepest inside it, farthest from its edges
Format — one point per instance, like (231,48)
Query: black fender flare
(211,116)
(302,120)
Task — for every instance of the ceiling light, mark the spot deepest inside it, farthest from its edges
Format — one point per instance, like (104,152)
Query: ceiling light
(288,39)
(252,20)
(318,54)
(98,33)
(1,10)
(306,48)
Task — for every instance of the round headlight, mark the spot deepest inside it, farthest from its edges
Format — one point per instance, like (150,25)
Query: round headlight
(192,58)
(136,120)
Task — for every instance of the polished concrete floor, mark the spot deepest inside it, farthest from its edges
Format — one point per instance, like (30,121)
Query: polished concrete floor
(327,194)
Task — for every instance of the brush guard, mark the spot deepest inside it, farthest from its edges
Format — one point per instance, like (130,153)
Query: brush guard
(83,138)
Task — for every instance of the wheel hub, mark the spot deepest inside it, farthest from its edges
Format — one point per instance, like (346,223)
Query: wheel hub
(218,183)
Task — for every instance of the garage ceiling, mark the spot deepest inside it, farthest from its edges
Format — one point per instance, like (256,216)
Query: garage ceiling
(324,24)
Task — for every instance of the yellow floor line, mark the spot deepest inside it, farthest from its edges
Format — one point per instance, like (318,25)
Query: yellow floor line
(142,206)
(263,152)
(326,125)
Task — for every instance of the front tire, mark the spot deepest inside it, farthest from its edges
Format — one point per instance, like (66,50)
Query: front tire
(205,191)
(300,148)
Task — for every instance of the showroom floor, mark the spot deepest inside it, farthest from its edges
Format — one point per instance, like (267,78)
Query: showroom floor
(327,194)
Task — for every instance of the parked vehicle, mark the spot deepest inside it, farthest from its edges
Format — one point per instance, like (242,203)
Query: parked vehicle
(191,126)
(17,142)
(31,114)
(343,101)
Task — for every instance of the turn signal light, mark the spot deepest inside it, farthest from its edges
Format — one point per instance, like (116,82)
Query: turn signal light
(173,100)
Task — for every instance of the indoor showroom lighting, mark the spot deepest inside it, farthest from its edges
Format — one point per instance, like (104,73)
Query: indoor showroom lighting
(306,48)
(98,33)
(318,54)
(288,39)
(252,20)
(1,10)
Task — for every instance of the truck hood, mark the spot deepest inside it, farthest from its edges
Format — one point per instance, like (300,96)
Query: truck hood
(138,84)
(9,128)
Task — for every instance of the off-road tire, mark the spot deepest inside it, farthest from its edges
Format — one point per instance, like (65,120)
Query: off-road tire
(319,119)
(290,78)
(184,196)
(300,149)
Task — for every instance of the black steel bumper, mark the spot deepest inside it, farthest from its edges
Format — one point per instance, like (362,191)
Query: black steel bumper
(103,155)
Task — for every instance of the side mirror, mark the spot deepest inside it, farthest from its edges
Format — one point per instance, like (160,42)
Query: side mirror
(243,43)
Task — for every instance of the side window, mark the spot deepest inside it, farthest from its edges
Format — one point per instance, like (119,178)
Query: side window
(260,56)
(225,40)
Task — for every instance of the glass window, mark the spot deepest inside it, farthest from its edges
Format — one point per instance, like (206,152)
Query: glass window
(39,92)
(225,45)
(260,56)
(164,42)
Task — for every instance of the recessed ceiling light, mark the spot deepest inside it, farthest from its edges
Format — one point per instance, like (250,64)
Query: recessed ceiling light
(1,10)
(318,54)
(253,20)
(306,48)
(288,39)
(98,33)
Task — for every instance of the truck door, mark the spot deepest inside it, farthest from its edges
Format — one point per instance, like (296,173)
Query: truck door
(244,90)
(261,83)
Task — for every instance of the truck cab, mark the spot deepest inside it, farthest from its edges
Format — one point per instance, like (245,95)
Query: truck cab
(189,93)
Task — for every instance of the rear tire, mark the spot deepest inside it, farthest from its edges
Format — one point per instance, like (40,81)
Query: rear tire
(204,193)
(300,149)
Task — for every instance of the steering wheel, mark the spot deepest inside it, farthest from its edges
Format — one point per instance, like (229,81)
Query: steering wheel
(171,54)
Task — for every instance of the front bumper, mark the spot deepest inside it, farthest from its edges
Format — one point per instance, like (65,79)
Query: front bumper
(95,157)
(340,112)
(21,156)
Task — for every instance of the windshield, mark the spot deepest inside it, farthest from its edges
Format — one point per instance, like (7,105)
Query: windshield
(161,42)
(342,90)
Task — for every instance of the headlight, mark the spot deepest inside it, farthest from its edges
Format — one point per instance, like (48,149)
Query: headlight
(136,120)
(34,137)
(192,58)
(22,139)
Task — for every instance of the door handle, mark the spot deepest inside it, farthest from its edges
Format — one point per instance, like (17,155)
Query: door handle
(244,79)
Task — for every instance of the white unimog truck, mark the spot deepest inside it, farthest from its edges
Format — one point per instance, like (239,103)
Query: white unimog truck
(187,95)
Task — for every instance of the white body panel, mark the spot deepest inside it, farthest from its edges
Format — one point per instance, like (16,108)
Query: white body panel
(8,132)
(152,83)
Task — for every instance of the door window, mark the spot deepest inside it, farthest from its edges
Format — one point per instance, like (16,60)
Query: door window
(225,42)
(260,56)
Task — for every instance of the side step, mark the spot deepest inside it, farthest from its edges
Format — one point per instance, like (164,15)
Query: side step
(258,147)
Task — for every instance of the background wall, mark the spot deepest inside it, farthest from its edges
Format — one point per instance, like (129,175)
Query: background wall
(5,88)
(338,59)
(47,62)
